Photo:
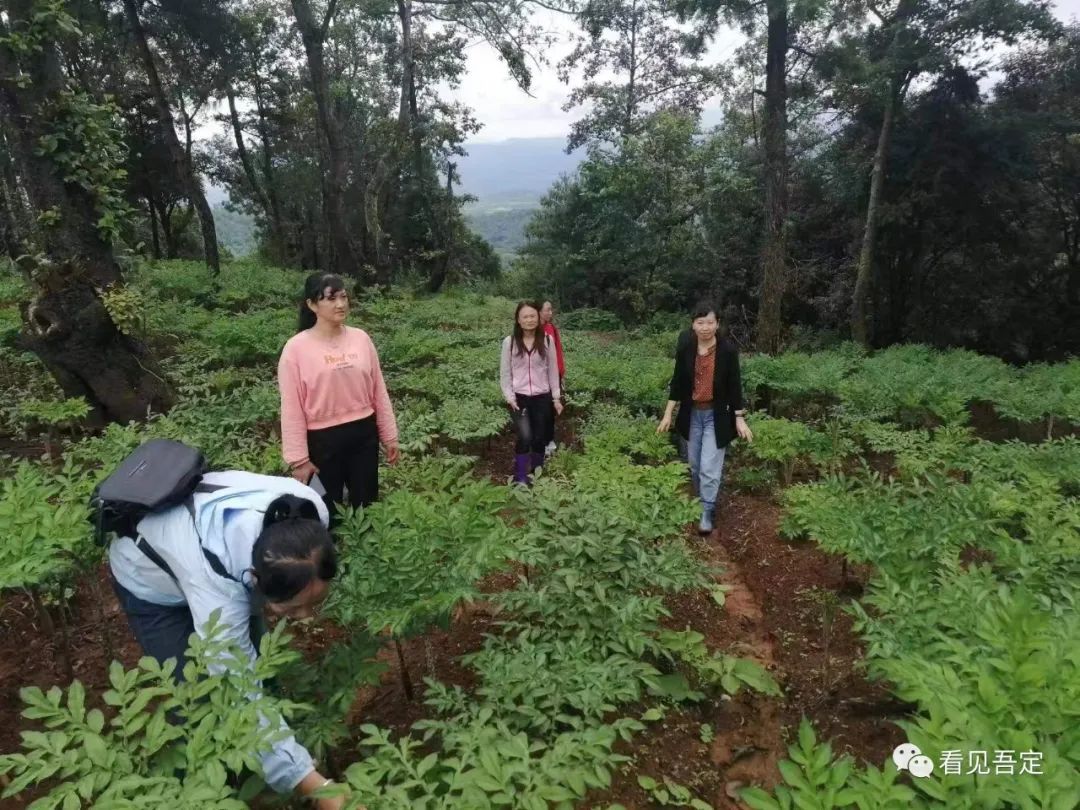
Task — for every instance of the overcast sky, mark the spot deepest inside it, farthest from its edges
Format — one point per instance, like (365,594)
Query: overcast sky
(507,112)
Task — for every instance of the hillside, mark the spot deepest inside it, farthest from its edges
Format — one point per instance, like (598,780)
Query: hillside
(886,554)
(235,231)
(519,167)
(502,223)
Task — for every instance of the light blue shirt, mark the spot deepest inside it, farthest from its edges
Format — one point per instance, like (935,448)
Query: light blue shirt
(229,520)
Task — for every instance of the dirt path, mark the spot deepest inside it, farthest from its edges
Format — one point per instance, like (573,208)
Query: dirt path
(765,617)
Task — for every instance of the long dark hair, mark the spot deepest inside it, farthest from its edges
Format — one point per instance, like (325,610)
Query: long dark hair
(293,549)
(315,290)
(519,333)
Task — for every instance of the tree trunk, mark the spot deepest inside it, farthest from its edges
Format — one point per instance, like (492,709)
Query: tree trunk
(631,87)
(9,232)
(156,244)
(12,220)
(343,256)
(181,159)
(407,63)
(442,268)
(66,323)
(165,218)
(860,304)
(276,237)
(277,225)
(774,250)
(242,152)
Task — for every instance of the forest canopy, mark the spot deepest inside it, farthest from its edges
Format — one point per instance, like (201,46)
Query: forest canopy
(907,171)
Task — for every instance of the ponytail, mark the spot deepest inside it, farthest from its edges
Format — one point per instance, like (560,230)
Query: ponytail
(293,549)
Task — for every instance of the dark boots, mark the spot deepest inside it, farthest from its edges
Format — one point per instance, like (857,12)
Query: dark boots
(522,468)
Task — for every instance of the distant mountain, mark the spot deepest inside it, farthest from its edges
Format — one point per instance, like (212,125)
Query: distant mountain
(235,231)
(508,178)
(521,168)
(504,228)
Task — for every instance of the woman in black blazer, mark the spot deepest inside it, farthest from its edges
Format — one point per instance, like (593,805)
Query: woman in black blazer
(707,388)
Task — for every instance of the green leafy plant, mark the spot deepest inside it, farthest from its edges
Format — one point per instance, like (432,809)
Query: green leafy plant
(53,415)
(157,742)
(86,142)
(716,669)
(828,604)
(814,780)
(670,794)
(484,765)
(331,683)
(783,442)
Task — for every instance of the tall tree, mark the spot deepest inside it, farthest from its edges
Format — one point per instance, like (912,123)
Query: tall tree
(652,66)
(344,258)
(180,156)
(780,36)
(901,42)
(68,160)
(774,246)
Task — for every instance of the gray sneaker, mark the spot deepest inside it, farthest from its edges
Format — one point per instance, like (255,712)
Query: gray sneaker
(550,449)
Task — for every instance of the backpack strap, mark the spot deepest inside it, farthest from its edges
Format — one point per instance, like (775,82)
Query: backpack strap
(155,558)
(212,559)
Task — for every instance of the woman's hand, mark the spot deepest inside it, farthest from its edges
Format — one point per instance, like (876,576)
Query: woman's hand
(743,429)
(665,424)
(513,405)
(558,407)
(315,781)
(304,472)
(393,452)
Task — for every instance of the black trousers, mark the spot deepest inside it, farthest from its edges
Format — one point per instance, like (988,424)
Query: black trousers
(551,423)
(163,630)
(533,422)
(347,456)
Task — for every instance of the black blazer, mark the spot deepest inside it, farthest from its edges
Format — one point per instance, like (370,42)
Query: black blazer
(727,387)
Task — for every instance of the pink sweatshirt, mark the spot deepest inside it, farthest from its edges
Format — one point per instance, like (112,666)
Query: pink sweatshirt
(324,384)
(529,373)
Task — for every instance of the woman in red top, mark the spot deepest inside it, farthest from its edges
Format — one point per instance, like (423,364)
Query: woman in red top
(547,318)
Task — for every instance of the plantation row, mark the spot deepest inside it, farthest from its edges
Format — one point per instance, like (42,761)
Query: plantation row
(438,356)
(971,612)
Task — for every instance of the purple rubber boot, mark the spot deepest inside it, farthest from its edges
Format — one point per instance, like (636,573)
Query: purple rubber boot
(521,468)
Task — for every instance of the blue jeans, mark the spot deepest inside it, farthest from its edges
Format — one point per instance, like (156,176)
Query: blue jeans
(706,459)
(163,630)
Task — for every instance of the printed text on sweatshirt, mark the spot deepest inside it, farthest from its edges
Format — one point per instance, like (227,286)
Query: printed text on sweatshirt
(325,384)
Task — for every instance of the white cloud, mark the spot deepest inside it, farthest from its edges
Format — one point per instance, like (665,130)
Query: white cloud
(507,112)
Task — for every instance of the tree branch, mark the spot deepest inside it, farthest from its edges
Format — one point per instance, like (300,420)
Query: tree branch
(331,8)
(539,3)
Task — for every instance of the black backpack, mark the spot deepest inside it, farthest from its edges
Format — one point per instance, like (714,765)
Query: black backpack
(159,474)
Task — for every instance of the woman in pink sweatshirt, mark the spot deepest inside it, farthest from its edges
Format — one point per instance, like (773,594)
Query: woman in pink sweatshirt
(335,410)
(529,375)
